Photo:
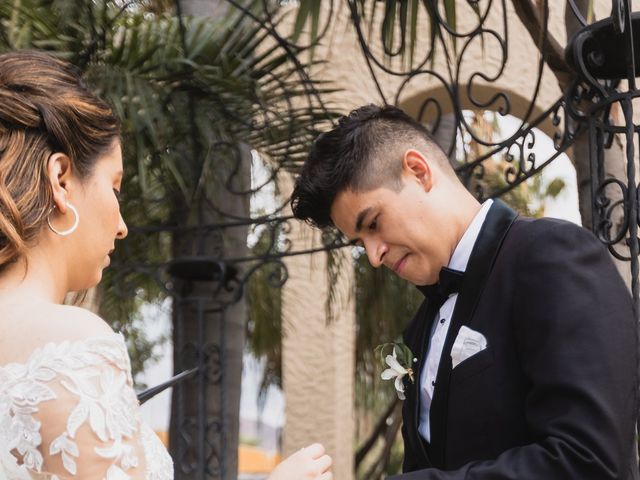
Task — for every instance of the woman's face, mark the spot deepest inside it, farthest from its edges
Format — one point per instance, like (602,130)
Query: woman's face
(100,221)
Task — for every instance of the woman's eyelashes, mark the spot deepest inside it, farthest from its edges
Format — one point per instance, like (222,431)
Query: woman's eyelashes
(116,192)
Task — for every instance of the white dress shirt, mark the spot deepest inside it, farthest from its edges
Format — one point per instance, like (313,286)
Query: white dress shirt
(458,261)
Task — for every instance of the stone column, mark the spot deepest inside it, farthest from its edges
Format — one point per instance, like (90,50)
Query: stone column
(318,356)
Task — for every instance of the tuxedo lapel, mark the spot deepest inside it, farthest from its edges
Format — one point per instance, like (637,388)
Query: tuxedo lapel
(430,315)
(499,219)
(416,338)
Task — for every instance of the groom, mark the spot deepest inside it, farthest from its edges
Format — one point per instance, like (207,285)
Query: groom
(525,346)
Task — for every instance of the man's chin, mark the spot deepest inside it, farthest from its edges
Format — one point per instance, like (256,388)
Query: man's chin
(421,280)
(407,275)
(409,278)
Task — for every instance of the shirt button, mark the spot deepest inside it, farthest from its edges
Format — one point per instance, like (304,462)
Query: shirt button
(433,383)
(442,320)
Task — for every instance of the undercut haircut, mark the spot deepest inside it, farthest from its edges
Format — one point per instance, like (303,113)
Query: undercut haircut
(363,152)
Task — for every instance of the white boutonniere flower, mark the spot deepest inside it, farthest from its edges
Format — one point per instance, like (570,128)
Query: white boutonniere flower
(398,366)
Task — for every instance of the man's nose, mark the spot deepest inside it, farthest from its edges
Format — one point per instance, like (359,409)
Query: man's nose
(376,250)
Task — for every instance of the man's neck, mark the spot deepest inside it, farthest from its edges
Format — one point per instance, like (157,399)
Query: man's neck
(469,213)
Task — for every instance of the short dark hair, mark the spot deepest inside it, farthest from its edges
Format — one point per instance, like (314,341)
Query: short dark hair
(363,152)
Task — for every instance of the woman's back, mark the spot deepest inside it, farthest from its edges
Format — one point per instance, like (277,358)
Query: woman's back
(67,408)
(27,323)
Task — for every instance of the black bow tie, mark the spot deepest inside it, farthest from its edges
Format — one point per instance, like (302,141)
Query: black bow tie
(449,282)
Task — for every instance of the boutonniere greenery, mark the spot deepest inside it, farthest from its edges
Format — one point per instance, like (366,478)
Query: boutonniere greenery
(398,363)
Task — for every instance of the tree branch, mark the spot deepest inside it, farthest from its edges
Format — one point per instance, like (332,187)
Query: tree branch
(532,20)
(379,430)
(380,464)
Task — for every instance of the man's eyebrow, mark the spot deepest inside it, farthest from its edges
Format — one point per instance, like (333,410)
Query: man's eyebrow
(360,218)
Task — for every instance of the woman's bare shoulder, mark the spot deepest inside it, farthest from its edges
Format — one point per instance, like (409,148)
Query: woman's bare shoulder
(75,323)
(24,330)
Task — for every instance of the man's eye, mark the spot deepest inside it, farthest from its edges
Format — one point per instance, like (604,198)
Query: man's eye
(373,225)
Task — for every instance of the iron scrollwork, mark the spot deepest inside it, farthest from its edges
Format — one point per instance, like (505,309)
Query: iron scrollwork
(605,55)
(459,89)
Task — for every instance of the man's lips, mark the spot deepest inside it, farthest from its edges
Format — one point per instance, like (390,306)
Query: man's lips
(399,264)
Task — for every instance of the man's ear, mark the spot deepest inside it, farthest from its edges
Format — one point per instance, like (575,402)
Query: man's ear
(60,174)
(416,167)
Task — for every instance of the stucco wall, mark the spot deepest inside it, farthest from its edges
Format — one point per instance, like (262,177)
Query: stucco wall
(318,355)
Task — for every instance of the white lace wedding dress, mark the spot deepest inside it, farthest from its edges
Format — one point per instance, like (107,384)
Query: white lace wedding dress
(70,412)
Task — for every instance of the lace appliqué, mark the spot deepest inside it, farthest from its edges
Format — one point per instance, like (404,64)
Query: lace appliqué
(159,463)
(97,371)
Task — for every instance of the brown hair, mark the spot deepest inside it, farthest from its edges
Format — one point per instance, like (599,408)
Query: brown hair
(44,109)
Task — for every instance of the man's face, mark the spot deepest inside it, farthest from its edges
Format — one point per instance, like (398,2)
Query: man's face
(405,230)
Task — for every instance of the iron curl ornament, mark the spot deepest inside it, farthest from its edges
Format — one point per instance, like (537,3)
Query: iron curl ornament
(605,55)
(452,82)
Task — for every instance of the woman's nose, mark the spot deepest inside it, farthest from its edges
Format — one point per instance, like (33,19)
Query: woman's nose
(123,231)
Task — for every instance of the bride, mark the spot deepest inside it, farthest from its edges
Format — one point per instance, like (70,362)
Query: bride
(67,405)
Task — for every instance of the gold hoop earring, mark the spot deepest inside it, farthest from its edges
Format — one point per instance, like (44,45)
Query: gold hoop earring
(69,231)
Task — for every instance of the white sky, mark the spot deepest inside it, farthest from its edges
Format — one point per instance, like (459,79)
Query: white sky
(565,205)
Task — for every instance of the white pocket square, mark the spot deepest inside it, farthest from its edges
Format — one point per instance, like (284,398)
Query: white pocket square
(467,343)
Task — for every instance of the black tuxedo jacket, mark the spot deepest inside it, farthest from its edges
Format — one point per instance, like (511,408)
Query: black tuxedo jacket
(554,394)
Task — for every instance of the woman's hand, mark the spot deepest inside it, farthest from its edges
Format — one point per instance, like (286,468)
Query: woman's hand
(309,463)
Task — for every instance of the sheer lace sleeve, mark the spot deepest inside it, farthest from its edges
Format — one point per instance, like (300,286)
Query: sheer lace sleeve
(71,412)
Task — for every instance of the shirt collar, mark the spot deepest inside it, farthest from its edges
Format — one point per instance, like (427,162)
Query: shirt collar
(461,254)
